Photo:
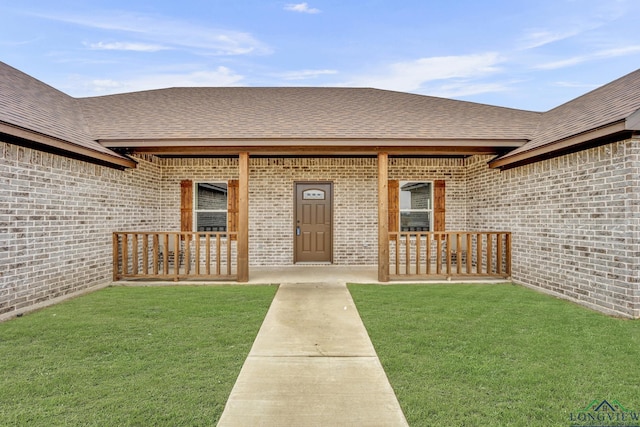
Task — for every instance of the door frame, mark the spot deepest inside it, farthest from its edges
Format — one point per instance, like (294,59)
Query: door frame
(295,216)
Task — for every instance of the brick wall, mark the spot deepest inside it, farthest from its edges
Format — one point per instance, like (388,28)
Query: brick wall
(56,219)
(575,221)
(271,198)
(58,214)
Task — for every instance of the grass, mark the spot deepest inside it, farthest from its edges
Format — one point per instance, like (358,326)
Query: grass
(129,356)
(497,355)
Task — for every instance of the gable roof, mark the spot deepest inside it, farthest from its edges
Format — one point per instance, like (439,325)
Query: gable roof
(610,110)
(34,111)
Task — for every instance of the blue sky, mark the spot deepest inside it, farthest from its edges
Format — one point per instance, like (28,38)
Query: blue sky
(524,54)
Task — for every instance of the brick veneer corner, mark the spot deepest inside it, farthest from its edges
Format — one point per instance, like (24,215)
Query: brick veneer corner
(575,221)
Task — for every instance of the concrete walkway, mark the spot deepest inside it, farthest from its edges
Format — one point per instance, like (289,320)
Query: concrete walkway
(312,364)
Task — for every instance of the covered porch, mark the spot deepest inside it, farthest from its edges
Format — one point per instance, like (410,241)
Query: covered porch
(401,254)
(357,147)
(214,256)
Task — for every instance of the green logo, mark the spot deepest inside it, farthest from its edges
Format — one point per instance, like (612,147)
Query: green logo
(602,413)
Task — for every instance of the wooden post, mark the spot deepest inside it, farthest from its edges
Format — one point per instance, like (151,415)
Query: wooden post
(134,255)
(508,272)
(243,219)
(125,254)
(145,253)
(116,255)
(155,253)
(383,217)
(176,256)
(499,254)
(208,255)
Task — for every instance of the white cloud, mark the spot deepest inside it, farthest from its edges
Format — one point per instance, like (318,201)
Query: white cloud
(457,90)
(104,85)
(170,33)
(306,74)
(302,8)
(19,43)
(221,76)
(130,46)
(410,76)
(568,19)
(539,37)
(578,85)
(603,54)
(563,63)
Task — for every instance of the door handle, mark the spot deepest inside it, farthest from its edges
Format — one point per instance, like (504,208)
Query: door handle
(298,231)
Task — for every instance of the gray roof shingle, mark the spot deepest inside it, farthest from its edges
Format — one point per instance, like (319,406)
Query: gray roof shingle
(29,104)
(291,113)
(241,113)
(605,105)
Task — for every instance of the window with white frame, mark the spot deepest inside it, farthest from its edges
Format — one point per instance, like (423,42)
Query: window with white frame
(416,206)
(210,206)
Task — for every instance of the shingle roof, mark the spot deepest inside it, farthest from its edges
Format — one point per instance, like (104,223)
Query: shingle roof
(27,103)
(603,106)
(289,113)
(193,114)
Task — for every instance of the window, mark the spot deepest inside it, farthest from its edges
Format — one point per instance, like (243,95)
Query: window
(211,206)
(416,206)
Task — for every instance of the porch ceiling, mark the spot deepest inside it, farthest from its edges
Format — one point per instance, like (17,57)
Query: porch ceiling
(281,147)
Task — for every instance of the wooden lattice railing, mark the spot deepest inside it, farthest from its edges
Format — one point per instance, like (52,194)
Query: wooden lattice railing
(449,254)
(174,255)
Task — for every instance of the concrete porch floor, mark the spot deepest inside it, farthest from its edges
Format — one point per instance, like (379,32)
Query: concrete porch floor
(281,275)
(313,274)
(339,274)
(305,273)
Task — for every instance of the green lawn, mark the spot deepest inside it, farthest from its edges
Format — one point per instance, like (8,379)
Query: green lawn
(498,355)
(456,355)
(129,356)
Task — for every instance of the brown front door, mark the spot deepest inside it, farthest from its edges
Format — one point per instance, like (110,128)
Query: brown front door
(313,222)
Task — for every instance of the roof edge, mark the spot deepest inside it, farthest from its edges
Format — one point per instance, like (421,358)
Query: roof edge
(311,142)
(573,143)
(62,147)
(633,121)
(316,146)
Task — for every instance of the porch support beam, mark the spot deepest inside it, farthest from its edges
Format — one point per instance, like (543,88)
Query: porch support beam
(383,217)
(243,218)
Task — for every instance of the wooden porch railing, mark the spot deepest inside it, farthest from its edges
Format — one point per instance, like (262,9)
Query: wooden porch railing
(449,254)
(175,255)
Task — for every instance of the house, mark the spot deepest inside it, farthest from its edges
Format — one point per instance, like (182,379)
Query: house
(213,182)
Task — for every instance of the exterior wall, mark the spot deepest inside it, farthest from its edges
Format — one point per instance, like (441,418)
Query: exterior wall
(56,220)
(575,221)
(58,214)
(271,199)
